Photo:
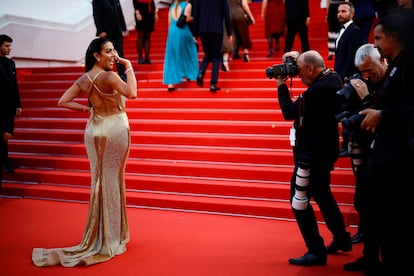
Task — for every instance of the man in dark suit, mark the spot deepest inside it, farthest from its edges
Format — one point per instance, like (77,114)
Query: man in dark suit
(297,21)
(9,98)
(110,23)
(208,25)
(391,158)
(347,43)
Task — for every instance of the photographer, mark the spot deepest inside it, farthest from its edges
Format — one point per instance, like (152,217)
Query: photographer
(361,95)
(391,159)
(315,141)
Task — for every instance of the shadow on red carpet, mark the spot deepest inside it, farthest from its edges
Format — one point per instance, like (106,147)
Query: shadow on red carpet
(163,243)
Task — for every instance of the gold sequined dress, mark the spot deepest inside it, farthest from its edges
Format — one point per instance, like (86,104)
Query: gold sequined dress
(107,142)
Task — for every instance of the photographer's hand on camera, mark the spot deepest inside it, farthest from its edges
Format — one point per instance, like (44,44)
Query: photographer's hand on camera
(280,80)
(371,120)
(360,87)
(292,54)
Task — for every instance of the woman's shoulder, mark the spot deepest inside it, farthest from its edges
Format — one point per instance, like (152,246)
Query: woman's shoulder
(87,78)
(83,82)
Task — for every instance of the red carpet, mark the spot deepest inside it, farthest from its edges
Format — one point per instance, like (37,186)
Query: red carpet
(163,243)
(224,152)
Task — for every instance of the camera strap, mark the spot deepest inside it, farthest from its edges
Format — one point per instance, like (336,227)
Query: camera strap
(301,110)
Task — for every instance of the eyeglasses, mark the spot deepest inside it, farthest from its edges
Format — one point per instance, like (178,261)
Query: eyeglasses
(301,67)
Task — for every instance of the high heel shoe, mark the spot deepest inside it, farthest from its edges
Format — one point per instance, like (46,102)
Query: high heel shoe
(171,88)
(225,66)
(246,57)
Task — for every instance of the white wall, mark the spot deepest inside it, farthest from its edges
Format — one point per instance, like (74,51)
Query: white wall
(51,32)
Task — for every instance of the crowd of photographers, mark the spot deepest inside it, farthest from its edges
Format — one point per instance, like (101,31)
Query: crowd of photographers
(376,107)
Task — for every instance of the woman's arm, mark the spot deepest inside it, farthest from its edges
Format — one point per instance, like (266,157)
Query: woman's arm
(246,8)
(67,98)
(128,88)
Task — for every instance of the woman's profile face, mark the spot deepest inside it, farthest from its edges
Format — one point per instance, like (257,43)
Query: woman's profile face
(108,56)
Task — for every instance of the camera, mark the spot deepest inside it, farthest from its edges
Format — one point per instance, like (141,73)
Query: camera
(288,68)
(350,122)
(348,98)
(350,104)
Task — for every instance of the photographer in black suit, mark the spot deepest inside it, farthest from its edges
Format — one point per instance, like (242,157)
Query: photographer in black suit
(360,93)
(391,159)
(315,142)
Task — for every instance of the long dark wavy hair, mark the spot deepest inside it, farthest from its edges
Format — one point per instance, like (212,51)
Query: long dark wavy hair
(95,46)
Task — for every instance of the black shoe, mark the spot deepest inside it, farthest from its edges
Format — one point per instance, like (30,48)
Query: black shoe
(147,61)
(344,245)
(141,61)
(330,57)
(358,265)
(236,55)
(7,168)
(357,238)
(270,53)
(214,88)
(200,81)
(171,88)
(343,153)
(308,260)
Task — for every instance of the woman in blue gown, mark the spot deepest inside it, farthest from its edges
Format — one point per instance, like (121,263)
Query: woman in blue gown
(181,56)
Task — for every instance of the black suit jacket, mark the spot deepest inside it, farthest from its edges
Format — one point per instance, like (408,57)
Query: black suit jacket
(317,138)
(108,17)
(9,94)
(296,11)
(209,15)
(348,44)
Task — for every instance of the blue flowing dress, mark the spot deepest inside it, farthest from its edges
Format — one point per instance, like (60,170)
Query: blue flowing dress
(181,56)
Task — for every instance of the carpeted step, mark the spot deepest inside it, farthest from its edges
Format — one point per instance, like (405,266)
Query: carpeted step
(261,156)
(239,188)
(180,168)
(173,201)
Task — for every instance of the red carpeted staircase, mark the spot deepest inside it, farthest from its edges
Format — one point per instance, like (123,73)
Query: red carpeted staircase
(192,150)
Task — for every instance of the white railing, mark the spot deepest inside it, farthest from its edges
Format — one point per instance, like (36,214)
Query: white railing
(49,33)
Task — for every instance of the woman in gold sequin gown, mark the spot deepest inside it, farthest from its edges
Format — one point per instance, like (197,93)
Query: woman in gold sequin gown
(107,142)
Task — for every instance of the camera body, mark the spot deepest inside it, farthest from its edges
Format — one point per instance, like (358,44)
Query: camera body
(348,97)
(351,123)
(288,68)
(350,104)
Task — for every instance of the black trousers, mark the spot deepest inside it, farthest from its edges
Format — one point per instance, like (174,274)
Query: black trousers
(319,189)
(389,213)
(294,28)
(212,53)
(3,157)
